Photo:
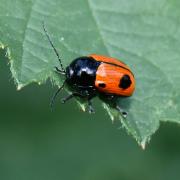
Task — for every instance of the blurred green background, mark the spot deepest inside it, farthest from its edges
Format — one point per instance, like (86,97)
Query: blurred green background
(66,144)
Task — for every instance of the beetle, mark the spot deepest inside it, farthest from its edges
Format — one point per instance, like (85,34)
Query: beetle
(95,75)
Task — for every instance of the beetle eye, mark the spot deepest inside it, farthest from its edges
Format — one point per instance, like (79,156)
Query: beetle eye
(125,82)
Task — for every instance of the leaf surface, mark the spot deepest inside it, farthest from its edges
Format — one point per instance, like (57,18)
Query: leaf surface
(145,34)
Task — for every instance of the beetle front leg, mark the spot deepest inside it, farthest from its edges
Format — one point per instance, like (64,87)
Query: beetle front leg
(59,71)
(123,113)
(90,107)
(64,100)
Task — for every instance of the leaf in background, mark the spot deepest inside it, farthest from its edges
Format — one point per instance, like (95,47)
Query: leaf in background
(143,33)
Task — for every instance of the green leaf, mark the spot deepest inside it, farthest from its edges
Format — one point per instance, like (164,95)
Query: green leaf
(143,33)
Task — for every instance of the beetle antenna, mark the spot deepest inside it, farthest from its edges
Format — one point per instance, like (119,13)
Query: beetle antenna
(55,95)
(55,50)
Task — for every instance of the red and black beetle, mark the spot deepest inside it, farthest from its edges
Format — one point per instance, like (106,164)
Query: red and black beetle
(95,75)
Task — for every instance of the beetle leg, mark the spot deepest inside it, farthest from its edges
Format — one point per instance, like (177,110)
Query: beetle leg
(123,113)
(90,107)
(70,97)
(59,71)
(55,95)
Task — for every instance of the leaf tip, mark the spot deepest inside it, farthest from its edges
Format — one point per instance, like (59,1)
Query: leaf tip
(82,106)
(7,50)
(143,145)
(144,142)
(19,87)
(2,46)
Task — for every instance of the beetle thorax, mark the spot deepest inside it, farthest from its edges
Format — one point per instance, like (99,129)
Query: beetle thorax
(82,72)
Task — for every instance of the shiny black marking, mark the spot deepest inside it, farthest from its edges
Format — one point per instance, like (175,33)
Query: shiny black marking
(102,85)
(125,82)
(81,74)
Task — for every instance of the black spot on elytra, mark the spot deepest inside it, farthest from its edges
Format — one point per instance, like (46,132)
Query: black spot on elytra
(125,82)
(102,85)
